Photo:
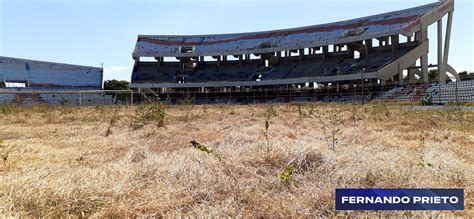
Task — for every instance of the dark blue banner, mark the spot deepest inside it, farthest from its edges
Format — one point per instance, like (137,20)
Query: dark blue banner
(399,199)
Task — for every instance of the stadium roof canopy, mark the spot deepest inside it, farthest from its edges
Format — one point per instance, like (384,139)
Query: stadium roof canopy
(405,22)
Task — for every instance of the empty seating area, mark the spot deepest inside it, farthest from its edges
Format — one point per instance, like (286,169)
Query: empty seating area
(150,72)
(230,71)
(407,93)
(251,70)
(313,67)
(462,91)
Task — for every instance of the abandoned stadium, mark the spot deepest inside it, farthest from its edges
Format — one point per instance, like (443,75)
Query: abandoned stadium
(379,57)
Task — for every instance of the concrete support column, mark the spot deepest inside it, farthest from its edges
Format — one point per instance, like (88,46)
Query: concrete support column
(423,34)
(158,61)
(441,74)
(395,42)
(350,51)
(424,68)
(301,54)
(369,45)
(411,74)
(400,75)
(325,52)
(447,42)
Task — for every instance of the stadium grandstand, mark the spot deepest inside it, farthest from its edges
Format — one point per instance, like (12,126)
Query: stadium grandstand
(360,54)
(30,74)
(32,82)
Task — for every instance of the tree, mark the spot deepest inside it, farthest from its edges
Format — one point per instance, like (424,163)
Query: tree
(433,74)
(116,85)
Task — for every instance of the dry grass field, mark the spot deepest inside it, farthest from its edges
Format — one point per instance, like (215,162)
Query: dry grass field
(261,160)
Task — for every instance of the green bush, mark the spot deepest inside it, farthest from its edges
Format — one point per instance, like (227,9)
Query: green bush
(146,114)
(427,100)
(116,85)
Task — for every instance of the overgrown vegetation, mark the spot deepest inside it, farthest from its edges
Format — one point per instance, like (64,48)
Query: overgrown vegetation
(150,113)
(306,110)
(116,85)
(60,164)
(188,106)
(427,100)
(112,122)
(331,128)
(270,112)
(286,174)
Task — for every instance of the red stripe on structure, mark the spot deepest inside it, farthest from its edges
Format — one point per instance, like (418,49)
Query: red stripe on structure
(315,29)
(412,25)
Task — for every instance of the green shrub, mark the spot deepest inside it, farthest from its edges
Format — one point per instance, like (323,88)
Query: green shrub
(146,114)
(285,175)
(270,112)
(427,100)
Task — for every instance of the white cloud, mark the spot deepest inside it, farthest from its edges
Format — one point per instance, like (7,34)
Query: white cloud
(115,69)
(117,72)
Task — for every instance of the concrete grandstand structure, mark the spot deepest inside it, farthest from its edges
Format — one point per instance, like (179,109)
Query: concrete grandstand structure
(374,50)
(33,74)
(37,82)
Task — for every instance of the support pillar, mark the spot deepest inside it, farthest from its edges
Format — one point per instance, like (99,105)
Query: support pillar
(301,54)
(400,75)
(424,59)
(411,74)
(369,46)
(325,52)
(447,43)
(395,42)
(441,75)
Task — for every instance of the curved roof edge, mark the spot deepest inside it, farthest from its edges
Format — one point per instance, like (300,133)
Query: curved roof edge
(406,22)
(12,59)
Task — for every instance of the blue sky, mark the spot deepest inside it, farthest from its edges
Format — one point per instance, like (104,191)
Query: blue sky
(91,32)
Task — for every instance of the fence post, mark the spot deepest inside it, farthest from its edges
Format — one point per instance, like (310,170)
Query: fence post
(290,94)
(266,96)
(131,97)
(362,92)
(457,91)
(80,98)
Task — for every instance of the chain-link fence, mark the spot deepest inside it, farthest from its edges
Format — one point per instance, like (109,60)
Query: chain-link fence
(33,97)
(460,92)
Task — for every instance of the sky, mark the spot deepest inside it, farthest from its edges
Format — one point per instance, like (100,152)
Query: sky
(96,32)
